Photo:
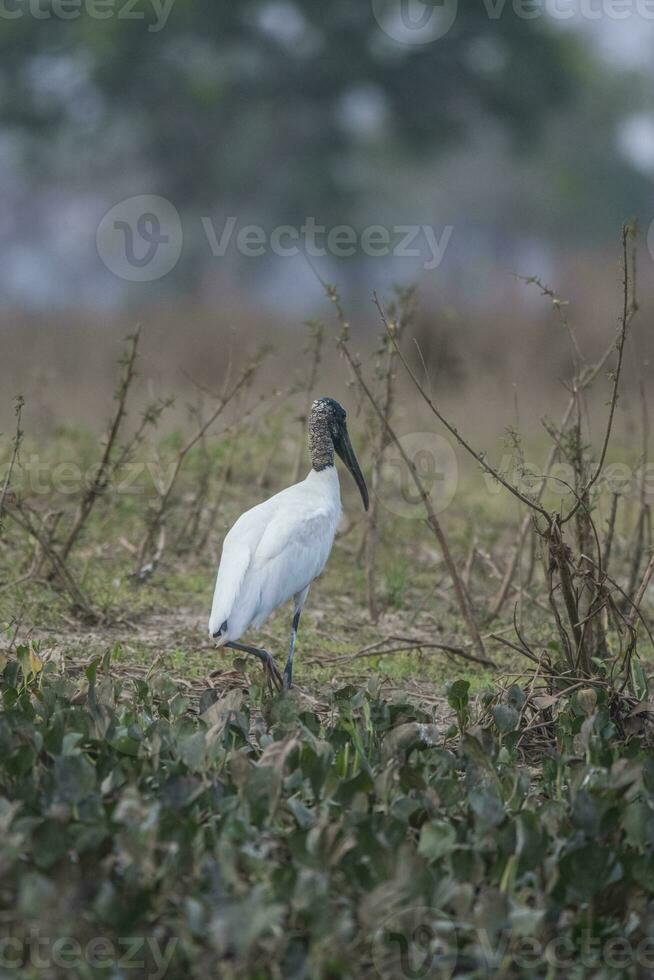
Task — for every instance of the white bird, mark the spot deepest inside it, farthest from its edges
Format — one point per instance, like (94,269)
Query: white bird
(275,550)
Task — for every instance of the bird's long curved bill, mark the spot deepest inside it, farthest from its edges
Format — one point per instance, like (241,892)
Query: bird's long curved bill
(346,452)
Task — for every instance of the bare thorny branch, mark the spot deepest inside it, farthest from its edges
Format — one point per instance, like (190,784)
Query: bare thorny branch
(583,606)
(102,474)
(629,309)
(581,383)
(15,450)
(478,456)
(146,559)
(25,518)
(432,520)
(388,362)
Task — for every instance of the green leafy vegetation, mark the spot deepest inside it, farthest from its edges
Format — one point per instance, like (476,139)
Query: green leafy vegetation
(212,838)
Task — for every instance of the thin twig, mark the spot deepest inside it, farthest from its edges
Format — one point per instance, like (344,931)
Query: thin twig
(158,515)
(628,310)
(479,457)
(642,588)
(432,520)
(399,326)
(18,437)
(99,482)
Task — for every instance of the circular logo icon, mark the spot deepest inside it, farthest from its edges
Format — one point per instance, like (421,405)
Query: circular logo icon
(436,465)
(415,21)
(416,943)
(140,239)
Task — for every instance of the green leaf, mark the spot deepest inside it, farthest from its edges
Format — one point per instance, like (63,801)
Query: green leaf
(74,778)
(192,750)
(457,694)
(638,825)
(487,807)
(48,843)
(349,788)
(516,697)
(506,717)
(436,839)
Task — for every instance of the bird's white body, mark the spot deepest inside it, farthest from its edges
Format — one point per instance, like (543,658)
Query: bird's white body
(273,553)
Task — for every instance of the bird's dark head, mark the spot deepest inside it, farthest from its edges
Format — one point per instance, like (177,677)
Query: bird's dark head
(329,412)
(328,432)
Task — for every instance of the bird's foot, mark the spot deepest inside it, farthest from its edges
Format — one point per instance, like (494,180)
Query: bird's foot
(273,677)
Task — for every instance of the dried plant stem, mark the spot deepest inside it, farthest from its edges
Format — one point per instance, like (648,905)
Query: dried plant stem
(371,540)
(582,383)
(215,507)
(408,645)
(638,548)
(560,559)
(99,482)
(479,457)
(610,531)
(15,449)
(642,588)
(24,518)
(432,520)
(158,515)
(645,426)
(629,308)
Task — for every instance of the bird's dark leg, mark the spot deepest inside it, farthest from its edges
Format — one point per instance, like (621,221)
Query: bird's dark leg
(273,677)
(300,599)
(288,669)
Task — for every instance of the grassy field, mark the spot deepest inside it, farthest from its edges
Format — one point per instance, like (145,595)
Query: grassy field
(162,617)
(452,788)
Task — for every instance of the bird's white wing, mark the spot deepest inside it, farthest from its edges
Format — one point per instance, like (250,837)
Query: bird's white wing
(292,552)
(239,547)
(300,528)
(272,552)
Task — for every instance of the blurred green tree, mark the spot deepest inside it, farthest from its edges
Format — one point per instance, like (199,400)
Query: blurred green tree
(281,105)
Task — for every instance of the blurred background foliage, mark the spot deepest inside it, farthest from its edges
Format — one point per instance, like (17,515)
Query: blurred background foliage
(532,137)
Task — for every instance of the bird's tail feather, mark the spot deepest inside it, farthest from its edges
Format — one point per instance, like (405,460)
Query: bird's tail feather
(234,564)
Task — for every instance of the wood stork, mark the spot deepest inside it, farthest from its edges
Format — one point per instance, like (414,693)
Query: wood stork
(275,550)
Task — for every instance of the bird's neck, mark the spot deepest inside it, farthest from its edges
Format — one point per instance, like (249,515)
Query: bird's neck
(321,445)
